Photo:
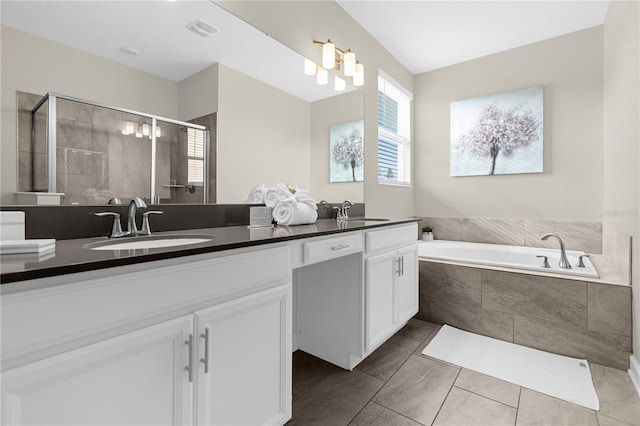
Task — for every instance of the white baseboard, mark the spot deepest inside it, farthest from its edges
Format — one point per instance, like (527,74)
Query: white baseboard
(634,373)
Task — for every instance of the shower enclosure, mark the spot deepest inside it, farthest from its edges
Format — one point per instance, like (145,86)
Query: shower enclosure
(93,152)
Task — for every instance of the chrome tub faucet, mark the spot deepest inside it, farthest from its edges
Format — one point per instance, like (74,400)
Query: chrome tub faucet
(564,262)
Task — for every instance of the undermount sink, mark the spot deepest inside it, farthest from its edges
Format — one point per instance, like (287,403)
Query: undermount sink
(149,242)
(366,219)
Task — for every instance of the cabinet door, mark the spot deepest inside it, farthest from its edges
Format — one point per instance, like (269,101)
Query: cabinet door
(245,362)
(381,272)
(136,378)
(407,284)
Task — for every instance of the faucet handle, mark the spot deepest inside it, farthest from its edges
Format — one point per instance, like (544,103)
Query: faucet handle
(338,213)
(545,262)
(581,262)
(116,228)
(146,229)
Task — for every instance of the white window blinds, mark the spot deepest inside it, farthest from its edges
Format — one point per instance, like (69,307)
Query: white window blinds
(195,156)
(394,132)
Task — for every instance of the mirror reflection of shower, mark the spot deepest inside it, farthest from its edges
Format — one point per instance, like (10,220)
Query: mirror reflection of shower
(93,152)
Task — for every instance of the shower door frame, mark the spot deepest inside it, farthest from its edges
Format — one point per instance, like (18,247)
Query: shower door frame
(52,139)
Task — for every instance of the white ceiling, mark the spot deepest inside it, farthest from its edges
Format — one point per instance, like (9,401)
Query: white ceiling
(427,35)
(422,35)
(157,30)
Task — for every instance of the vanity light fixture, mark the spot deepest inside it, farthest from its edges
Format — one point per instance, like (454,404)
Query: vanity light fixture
(329,55)
(341,62)
(349,63)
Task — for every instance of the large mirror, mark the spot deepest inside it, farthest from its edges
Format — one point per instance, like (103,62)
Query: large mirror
(271,122)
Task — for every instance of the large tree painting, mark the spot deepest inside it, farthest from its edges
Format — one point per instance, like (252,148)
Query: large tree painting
(347,152)
(498,134)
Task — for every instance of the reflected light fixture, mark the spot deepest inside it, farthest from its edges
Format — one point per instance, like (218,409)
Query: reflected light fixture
(341,62)
(309,67)
(322,76)
(128,128)
(358,76)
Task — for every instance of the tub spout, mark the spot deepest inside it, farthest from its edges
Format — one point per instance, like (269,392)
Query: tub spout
(564,262)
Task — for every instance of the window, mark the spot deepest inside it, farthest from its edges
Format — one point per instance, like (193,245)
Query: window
(394,132)
(195,156)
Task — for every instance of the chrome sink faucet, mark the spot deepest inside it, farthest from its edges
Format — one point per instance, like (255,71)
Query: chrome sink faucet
(564,262)
(132,229)
(342,212)
(135,204)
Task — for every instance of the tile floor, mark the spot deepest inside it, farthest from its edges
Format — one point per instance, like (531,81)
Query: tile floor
(397,385)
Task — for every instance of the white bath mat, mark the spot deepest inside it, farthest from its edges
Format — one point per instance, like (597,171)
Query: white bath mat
(559,376)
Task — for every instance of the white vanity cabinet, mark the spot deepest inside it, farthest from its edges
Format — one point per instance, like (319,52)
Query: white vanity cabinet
(244,375)
(391,282)
(204,340)
(136,378)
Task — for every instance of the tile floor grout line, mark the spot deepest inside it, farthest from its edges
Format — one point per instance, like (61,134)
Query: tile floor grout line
(400,414)
(395,372)
(445,398)
(484,396)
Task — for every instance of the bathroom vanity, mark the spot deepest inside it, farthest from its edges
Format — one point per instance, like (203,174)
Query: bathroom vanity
(198,334)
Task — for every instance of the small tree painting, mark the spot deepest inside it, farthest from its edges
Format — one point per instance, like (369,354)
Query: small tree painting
(346,145)
(498,134)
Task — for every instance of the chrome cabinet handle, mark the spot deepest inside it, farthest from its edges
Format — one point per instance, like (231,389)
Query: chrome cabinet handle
(205,360)
(402,266)
(399,267)
(189,368)
(545,262)
(581,262)
(340,247)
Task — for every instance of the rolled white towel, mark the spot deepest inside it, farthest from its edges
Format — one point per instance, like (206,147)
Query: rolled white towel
(256,195)
(291,212)
(276,194)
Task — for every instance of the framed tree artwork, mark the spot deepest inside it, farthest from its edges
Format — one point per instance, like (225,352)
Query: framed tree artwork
(498,134)
(346,152)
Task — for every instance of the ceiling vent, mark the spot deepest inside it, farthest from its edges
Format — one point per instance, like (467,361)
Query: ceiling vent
(202,28)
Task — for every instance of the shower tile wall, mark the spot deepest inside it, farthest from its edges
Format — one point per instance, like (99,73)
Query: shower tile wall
(26,102)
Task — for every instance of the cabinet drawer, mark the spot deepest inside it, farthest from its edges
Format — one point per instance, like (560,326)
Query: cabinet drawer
(331,248)
(389,238)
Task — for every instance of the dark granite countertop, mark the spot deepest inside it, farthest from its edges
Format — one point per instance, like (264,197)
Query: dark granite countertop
(71,256)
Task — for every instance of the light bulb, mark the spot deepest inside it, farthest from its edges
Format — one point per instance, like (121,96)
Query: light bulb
(158,132)
(322,76)
(349,63)
(339,84)
(146,130)
(309,67)
(128,128)
(358,77)
(329,55)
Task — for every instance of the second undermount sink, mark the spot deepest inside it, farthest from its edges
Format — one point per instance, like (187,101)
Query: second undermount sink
(149,242)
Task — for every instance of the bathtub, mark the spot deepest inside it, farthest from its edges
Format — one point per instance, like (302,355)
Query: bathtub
(504,256)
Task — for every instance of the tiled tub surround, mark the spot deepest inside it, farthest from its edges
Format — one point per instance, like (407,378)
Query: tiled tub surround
(572,317)
(610,249)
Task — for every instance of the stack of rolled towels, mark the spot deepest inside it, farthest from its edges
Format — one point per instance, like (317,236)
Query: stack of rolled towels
(291,206)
